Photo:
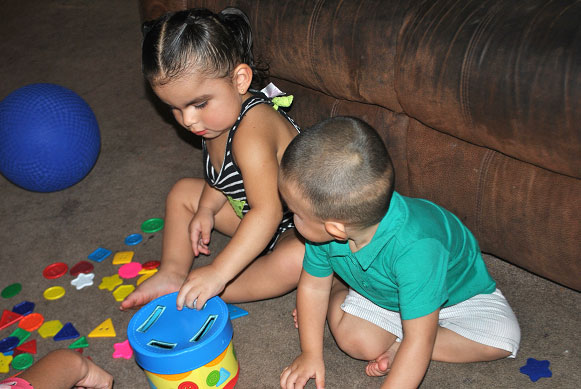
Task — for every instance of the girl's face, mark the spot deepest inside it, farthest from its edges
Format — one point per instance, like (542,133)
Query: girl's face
(205,106)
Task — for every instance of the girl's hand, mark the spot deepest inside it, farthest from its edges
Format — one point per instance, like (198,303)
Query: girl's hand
(200,230)
(96,378)
(202,284)
(303,368)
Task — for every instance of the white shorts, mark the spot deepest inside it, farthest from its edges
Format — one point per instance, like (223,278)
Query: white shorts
(484,318)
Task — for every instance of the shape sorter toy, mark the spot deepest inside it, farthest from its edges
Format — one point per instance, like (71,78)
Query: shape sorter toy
(187,348)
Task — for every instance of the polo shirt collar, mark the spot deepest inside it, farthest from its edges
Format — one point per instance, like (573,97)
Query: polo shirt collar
(388,227)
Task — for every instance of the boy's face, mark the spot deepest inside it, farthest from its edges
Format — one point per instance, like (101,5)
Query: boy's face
(308,225)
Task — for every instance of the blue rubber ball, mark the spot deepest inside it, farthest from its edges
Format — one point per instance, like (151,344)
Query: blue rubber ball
(49,137)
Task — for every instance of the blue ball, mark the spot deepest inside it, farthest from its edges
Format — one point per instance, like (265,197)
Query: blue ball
(49,138)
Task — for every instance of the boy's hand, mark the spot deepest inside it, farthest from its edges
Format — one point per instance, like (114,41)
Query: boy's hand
(202,284)
(303,368)
(200,229)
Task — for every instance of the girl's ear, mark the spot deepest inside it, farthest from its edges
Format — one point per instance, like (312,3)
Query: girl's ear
(242,78)
(336,230)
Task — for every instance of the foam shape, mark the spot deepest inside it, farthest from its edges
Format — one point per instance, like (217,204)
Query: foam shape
(103,330)
(81,267)
(129,270)
(123,350)
(5,363)
(8,318)
(31,322)
(24,308)
(22,361)
(110,282)
(21,334)
(536,369)
(8,344)
(145,277)
(236,312)
(100,254)
(54,293)
(50,328)
(67,332)
(82,342)
(123,291)
(28,347)
(122,257)
(83,280)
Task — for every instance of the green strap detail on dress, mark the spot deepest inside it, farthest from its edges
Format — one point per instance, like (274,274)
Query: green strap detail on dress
(282,101)
(237,205)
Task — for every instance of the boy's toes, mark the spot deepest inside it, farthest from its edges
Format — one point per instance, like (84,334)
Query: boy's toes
(380,366)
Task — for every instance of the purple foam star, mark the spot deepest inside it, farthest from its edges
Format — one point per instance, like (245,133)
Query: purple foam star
(536,369)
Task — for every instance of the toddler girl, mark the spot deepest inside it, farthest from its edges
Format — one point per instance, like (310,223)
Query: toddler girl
(200,64)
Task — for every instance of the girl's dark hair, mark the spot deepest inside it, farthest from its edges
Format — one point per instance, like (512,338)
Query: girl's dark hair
(201,41)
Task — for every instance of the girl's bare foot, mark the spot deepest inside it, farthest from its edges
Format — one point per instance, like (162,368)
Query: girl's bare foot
(382,364)
(158,285)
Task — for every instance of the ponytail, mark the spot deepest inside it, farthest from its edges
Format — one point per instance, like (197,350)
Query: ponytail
(201,41)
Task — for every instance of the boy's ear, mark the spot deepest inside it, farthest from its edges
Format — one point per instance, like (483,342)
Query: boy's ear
(242,78)
(336,230)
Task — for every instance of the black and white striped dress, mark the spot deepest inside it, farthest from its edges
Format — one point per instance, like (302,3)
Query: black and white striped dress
(229,179)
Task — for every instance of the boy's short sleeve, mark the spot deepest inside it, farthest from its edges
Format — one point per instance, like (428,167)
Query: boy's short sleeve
(316,260)
(421,277)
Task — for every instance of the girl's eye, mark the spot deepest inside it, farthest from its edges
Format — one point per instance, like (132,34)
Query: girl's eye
(201,105)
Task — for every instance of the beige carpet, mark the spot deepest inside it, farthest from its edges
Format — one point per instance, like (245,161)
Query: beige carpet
(93,48)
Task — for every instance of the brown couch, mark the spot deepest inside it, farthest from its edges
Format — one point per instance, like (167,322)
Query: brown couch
(479,103)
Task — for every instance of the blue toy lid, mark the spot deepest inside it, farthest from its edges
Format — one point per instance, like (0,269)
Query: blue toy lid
(168,341)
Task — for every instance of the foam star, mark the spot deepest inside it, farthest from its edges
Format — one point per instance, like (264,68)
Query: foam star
(83,280)
(536,369)
(123,350)
(111,282)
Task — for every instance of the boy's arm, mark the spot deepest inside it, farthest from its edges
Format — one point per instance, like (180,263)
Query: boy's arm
(312,303)
(414,353)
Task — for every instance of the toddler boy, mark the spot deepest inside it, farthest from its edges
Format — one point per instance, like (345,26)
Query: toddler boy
(418,288)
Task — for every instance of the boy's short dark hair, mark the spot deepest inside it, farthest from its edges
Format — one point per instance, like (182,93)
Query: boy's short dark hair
(343,169)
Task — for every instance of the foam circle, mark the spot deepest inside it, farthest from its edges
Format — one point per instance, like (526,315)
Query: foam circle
(49,138)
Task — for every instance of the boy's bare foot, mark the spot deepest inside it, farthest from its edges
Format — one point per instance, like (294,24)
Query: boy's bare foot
(382,364)
(158,285)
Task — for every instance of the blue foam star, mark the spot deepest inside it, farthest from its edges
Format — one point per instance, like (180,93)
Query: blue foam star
(536,369)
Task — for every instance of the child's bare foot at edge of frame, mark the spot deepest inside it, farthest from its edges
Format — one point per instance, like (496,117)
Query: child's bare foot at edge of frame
(295,318)
(158,285)
(382,364)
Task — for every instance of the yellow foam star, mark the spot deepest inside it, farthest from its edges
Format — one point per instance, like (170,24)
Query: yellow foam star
(5,363)
(110,282)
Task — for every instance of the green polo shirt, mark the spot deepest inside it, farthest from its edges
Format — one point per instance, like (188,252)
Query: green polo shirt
(421,258)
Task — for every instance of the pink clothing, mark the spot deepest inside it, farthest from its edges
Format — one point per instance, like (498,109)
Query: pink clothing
(15,383)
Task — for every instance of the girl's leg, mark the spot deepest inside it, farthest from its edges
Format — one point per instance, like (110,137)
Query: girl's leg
(177,254)
(271,275)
